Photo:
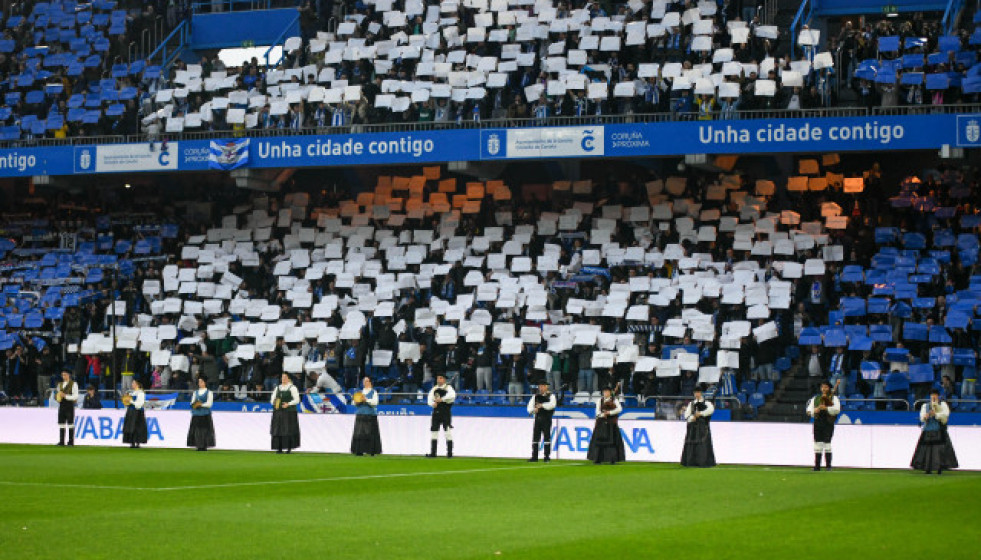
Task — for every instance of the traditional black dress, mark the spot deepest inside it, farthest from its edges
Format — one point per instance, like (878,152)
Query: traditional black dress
(201,435)
(606,445)
(134,425)
(366,439)
(285,428)
(934,451)
(698,451)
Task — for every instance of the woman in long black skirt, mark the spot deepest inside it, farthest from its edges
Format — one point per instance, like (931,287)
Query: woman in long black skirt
(934,450)
(366,439)
(698,451)
(134,426)
(606,445)
(285,429)
(201,435)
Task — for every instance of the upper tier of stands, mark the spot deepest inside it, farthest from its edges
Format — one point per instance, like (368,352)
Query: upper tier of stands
(64,68)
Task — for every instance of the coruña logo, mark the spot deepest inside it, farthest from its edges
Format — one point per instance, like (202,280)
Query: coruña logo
(493,144)
(587,141)
(972,130)
(85,159)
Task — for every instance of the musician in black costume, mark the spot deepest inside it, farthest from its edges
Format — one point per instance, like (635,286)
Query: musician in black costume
(606,445)
(934,449)
(285,428)
(66,396)
(134,425)
(698,451)
(441,398)
(542,407)
(824,408)
(201,434)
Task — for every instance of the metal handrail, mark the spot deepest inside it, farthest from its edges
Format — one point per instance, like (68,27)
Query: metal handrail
(181,32)
(920,402)
(806,7)
(822,112)
(881,399)
(279,41)
(949,18)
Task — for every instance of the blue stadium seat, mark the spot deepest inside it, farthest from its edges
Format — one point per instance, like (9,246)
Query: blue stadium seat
(765,388)
(748,386)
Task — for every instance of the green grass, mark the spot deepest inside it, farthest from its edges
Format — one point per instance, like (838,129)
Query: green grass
(91,502)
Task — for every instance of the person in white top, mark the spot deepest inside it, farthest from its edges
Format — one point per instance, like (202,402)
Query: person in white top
(66,396)
(542,407)
(285,429)
(201,434)
(134,426)
(698,450)
(824,408)
(934,450)
(441,398)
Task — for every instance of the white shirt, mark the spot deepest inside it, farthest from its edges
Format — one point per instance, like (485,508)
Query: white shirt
(294,394)
(616,411)
(327,383)
(943,412)
(206,403)
(689,414)
(139,397)
(833,410)
(73,395)
(370,397)
(547,405)
(448,398)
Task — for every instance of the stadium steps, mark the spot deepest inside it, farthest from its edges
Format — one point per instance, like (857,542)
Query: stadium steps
(789,399)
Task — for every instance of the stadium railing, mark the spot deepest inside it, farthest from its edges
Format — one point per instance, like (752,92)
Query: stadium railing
(899,405)
(628,118)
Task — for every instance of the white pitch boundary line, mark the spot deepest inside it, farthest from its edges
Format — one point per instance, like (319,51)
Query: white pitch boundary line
(273,482)
(343,478)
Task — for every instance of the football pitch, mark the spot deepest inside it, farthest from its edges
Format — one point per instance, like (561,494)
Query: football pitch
(90,502)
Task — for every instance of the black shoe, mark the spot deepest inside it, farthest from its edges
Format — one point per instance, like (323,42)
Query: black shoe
(827,468)
(288,451)
(547,460)
(817,469)
(430,455)
(928,472)
(597,462)
(939,471)
(534,460)
(132,446)
(71,444)
(359,454)
(278,451)
(60,443)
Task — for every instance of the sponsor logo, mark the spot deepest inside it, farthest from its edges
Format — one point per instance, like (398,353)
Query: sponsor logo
(108,428)
(577,439)
(588,141)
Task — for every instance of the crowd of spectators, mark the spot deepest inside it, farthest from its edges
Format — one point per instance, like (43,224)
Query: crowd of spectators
(65,68)
(652,283)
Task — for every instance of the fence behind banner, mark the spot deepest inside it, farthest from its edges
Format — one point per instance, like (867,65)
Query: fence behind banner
(747,443)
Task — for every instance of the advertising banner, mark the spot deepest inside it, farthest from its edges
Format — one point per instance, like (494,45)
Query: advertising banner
(748,443)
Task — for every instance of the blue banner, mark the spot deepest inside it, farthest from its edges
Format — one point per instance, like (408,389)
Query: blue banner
(810,135)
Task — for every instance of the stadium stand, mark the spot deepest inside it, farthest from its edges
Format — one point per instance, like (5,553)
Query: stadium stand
(658,284)
(68,70)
